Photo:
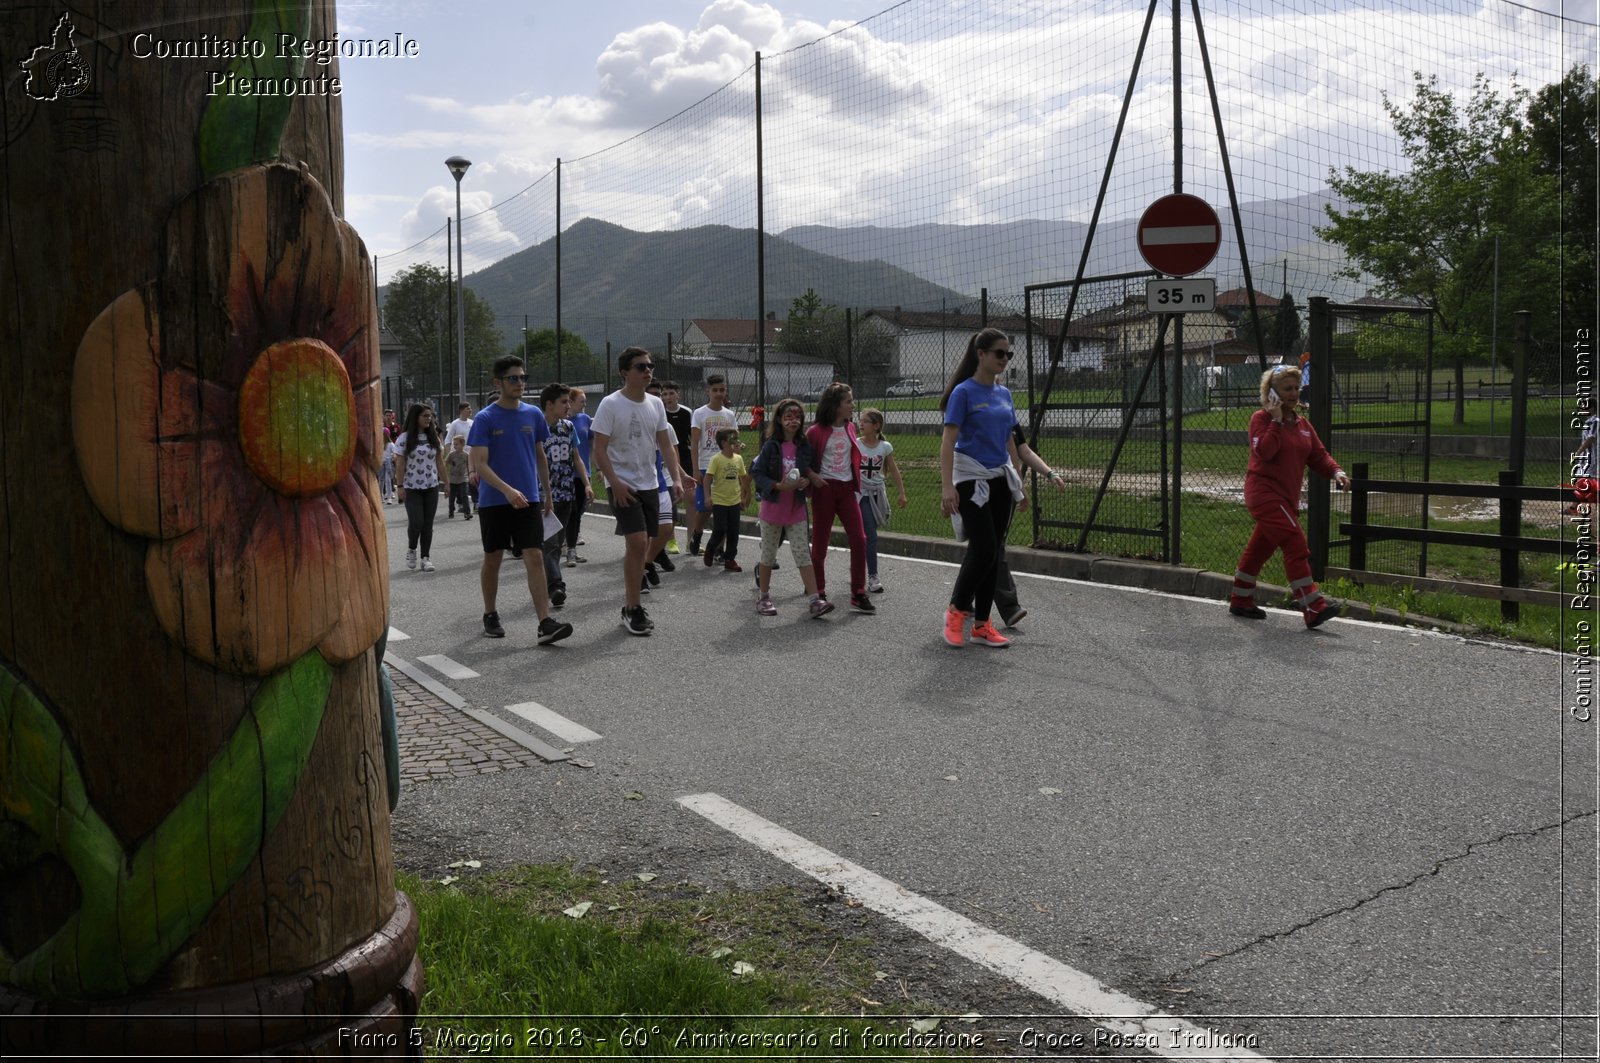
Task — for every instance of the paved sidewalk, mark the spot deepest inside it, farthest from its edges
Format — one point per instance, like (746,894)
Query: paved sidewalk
(440,742)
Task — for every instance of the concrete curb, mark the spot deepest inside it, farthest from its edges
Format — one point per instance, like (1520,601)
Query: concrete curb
(1115,571)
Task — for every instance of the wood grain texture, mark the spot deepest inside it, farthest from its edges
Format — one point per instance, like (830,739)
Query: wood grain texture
(86,239)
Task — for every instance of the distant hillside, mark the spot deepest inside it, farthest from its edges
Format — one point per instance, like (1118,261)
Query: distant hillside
(1005,258)
(635,287)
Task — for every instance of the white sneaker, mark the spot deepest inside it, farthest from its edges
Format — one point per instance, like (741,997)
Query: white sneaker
(572,559)
(411,559)
(873,586)
(427,564)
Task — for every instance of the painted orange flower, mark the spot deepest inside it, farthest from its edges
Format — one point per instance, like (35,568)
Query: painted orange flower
(228,413)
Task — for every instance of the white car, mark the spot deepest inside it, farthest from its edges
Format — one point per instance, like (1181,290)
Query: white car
(904,388)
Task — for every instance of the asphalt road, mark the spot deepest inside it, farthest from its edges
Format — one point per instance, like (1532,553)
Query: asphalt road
(1363,840)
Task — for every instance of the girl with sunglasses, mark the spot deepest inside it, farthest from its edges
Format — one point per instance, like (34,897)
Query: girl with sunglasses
(979,484)
(1282,446)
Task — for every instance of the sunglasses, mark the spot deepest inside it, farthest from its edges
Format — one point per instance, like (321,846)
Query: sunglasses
(515,379)
(643,367)
(1001,352)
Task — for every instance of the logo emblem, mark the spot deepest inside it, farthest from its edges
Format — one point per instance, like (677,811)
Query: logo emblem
(56,71)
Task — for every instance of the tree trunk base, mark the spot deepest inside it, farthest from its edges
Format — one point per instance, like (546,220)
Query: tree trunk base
(362,1002)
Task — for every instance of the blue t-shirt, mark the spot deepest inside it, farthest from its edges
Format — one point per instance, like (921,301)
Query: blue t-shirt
(985,416)
(585,438)
(513,438)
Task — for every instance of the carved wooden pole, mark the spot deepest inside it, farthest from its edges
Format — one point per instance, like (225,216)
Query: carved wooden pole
(194,830)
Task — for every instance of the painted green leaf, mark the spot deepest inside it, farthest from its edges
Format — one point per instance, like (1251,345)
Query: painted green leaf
(138,909)
(237,129)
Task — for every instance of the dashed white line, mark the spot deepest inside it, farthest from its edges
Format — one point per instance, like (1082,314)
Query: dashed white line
(448,668)
(554,722)
(1072,989)
(396,635)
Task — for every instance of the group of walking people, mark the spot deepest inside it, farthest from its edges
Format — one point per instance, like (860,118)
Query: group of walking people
(532,466)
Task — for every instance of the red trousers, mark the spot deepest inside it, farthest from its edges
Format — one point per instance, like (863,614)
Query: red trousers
(1277,528)
(838,498)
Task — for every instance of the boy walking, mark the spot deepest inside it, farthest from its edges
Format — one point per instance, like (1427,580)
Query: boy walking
(507,441)
(728,486)
(705,423)
(457,467)
(630,427)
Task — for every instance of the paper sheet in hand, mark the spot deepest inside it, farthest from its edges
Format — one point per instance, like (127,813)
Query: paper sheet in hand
(552,525)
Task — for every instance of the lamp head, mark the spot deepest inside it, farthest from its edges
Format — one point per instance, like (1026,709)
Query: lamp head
(458,166)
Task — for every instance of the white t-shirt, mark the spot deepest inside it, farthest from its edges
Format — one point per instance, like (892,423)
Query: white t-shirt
(710,422)
(458,427)
(835,460)
(630,429)
(873,459)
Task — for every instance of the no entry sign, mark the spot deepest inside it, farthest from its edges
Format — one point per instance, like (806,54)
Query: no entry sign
(1179,234)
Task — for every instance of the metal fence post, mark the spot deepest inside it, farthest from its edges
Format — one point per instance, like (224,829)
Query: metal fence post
(1318,510)
(1511,527)
(1519,390)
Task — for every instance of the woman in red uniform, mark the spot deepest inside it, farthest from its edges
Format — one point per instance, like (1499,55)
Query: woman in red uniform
(1282,446)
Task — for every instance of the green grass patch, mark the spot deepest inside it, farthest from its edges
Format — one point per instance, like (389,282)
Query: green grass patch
(649,969)
(1215,524)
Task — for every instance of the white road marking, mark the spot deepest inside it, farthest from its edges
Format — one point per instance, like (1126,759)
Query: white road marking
(553,722)
(448,668)
(1072,989)
(396,635)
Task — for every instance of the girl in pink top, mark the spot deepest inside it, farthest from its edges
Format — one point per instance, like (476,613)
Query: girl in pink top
(835,481)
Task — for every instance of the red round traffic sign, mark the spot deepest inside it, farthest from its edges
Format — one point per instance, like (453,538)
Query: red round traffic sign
(1179,234)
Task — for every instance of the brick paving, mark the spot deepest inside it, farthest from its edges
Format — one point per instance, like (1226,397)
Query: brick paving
(437,742)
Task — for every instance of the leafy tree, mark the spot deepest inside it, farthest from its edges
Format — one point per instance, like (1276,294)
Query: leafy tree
(417,309)
(1430,234)
(822,331)
(1281,324)
(1394,340)
(809,329)
(577,362)
(1564,127)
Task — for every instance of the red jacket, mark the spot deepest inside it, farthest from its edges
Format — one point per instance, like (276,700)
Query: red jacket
(817,435)
(1279,456)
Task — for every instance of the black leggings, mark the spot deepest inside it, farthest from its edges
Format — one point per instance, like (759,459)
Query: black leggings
(421,504)
(580,502)
(986,527)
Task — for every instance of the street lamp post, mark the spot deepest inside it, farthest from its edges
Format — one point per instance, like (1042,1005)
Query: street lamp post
(458,170)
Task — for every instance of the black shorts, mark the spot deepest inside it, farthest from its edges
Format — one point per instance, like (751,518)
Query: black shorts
(643,514)
(502,527)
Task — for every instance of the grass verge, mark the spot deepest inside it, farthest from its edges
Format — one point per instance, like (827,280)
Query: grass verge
(653,970)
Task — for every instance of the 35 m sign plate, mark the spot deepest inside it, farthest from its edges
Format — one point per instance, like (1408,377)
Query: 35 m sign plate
(1185,296)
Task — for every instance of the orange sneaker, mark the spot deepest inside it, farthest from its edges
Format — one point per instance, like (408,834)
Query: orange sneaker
(955,626)
(984,634)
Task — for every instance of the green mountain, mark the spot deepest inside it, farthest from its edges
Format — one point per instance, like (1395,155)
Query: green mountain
(636,287)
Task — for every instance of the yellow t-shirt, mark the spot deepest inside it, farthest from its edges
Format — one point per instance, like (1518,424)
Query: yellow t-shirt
(725,476)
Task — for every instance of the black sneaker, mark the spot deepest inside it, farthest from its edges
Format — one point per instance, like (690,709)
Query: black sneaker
(651,576)
(635,621)
(665,563)
(862,604)
(644,585)
(1249,612)
(694,548)
(1016,618)
(552,630)
(491,626)
(558,597)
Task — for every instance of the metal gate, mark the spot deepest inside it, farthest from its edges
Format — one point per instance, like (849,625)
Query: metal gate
(1371,399)
(1106,418)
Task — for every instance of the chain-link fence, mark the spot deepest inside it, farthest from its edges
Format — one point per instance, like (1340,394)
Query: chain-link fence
(855,206)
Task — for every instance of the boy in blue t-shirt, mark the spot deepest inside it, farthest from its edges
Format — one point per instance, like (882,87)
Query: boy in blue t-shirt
(507,441)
